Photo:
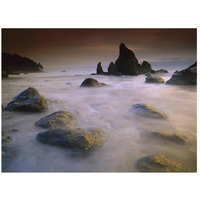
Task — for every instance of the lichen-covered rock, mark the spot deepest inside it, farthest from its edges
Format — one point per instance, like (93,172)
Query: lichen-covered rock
(146,110)
(57,120)
(185,77)
(154,79)
(73,138)
(90,82)
(159,163)
(171,136)
(29,101)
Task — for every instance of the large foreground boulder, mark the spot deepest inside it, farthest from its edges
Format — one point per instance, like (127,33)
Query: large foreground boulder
(146,110)
(73,138)
(159,163)
(154,79)
(57,120)
(29,101)
(90,82)
(185,77)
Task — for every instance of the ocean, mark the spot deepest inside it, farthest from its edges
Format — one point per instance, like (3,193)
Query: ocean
(105,108)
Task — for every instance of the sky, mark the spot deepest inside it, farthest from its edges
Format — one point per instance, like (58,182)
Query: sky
(67,48)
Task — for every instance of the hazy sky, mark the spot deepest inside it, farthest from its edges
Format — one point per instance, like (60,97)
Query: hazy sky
(64,48)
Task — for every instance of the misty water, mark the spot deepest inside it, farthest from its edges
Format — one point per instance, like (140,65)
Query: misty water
(105,108)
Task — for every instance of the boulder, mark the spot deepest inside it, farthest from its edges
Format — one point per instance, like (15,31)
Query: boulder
(57,120)
(127,63)
(159,163)
(73,138)
(29,101)
(90,82)
(99,69)
(171,136)
(146,110)
(161,71)
(154,79)
(185,77)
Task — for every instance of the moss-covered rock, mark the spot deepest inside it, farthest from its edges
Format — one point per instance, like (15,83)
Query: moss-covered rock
(159,163)
(154,79)
(28,101)
(73,138)
(57,120)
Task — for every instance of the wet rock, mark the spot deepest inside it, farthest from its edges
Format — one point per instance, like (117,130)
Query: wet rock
(161,71)
(90,82)
(29,101)
(146,110)
(159,163)
(6,137)
(57,120)
(73,138)
(154,79)
(185,77)
(171,136)
(99,69)
(127,63)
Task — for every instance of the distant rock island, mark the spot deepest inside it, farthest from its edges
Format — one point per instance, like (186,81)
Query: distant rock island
(15,64)
(126,64)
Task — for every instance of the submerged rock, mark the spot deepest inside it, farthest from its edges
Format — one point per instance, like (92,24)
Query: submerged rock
(90,82)
(185,77)
(154,79)
(57,120)
(159,163)
(6,137)
(73,138)
(171,136)
(29,100)
(146,110)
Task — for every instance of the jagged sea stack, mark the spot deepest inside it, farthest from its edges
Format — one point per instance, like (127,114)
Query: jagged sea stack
(127,63)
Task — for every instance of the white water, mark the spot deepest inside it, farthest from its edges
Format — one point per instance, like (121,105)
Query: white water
(104,108)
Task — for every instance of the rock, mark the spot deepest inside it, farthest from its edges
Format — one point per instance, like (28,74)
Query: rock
(154,79)
(73,138)
(159,163)
(112,70)
(29,100)
(99,69)
(185,77)
(57,120)
(161,71)
(6,137)
(90,82)
(171,136)
(146,110)
(127,63)
(144,68)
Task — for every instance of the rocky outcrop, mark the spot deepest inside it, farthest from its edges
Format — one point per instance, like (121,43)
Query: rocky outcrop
(126,64)
(154,79)
(185,77)
(161,71)
(57,120)
(28,101)
(73,138)
(99,69)
(146,110)
(90,82)
(171,136)
(159,163)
